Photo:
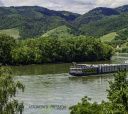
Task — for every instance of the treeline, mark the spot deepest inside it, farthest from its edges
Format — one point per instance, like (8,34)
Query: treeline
(52,50)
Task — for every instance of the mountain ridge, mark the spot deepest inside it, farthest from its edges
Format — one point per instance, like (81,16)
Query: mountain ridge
(32,21)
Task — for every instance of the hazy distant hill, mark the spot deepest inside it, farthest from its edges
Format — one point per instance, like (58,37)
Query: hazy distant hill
(33,21)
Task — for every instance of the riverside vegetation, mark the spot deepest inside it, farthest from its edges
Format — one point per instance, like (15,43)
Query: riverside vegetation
(52,50)
(117,99)
(8,91)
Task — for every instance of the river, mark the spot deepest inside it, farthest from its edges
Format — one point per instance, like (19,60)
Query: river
(49,89)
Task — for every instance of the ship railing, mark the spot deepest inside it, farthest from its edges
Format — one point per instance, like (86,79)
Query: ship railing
(85,66)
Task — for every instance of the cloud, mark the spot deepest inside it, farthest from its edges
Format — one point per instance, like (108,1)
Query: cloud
(1,3)
(111,3)
(72,5)
(78,6)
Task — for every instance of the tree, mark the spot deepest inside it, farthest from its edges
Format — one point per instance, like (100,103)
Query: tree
(118,92)
(85,107)
(7,43)
(26,55)
(8,91)
(117,96)
(52,49)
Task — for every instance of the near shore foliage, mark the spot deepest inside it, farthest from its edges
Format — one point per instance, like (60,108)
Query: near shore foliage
(117,99)
(8,91)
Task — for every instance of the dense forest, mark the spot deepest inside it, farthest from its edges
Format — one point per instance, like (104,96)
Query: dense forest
(34,21)
(52,49)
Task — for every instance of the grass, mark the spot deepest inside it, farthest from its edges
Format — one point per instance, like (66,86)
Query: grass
(108,37)
(61,32)
(11,32)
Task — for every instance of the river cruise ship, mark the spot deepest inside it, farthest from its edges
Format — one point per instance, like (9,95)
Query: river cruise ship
(91,69)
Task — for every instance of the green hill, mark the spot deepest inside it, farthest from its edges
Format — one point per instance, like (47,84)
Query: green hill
(105,25)
(11,32)
(60,32)
(34,21)
(101,21)
(95,15)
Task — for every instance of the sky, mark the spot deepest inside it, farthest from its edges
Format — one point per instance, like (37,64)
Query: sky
(77,6)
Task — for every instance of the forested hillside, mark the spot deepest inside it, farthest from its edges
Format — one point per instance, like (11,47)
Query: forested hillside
(95,15)
(105,26)
(33,21)
(101,21)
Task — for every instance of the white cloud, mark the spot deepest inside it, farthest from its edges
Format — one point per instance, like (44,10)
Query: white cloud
(78,6)
(111,3)
(1,3)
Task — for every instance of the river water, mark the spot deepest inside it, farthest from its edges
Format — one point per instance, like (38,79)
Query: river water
(49,89)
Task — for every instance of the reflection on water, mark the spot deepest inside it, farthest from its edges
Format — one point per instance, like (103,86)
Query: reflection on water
(46,68)
(52,85)
(41,69)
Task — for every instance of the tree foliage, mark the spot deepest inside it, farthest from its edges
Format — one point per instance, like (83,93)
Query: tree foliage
(118,92)
(117,96)
(121,40)
(52,49)
(8,91)
(7,44)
